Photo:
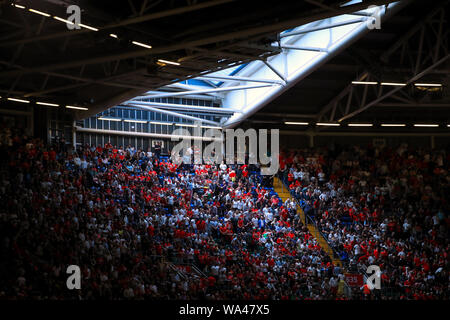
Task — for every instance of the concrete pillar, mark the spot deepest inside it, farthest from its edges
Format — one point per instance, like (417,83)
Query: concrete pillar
(432,142)
(30,122)
(311,140)
(74,136)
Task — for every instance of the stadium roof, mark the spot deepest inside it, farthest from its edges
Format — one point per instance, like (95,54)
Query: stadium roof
(260,63)
(123,47)
(249,86)
(397,74)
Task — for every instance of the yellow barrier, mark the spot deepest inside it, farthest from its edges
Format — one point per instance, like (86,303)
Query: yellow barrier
(284,194)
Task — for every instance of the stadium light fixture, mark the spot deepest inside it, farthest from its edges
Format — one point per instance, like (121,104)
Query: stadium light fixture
(110,119)
(141,44)
(112,35)
(360,124)
(364,82)
(63,20)
(169,62)
(398,84)
(297,123)
(18,6)
(88,27)
(393,125)
(328,124)
(78,108)
(47,104)
(428,84)
(19,100)
(39,12)
(426,125)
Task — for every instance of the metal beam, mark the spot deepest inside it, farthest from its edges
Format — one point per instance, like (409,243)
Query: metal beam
(221,53)
(238,78)
(188,87)
(315,49)
(139,19)
(414,105)
(87,81)
(192,96)
(57,89)
(15,112)
(286,115)
(275,71)
(326,7)
(255,31)
(171,113)
(341,95)
(416,63)
(316,62)
(184,93)
(414,78)
(363,134)
(323,27)
(184,107)
(144,134)
(417,26)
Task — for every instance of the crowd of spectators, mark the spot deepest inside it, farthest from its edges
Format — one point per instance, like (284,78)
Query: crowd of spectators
(141,227)
(380,206)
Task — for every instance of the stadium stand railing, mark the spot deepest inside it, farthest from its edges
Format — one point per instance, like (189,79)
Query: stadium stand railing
(315,231)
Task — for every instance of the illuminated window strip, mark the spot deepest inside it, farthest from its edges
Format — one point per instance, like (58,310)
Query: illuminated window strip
(185,125)
(137,121)
(161,123)
(110,119)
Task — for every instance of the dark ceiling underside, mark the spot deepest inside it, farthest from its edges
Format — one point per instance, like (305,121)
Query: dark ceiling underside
(41,59)
(412,42)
